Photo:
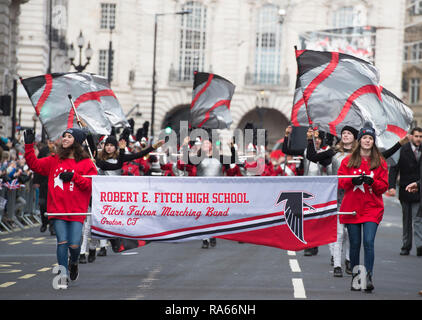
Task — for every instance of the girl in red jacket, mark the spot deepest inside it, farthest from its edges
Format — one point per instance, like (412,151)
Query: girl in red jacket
(363,194)
(68,192)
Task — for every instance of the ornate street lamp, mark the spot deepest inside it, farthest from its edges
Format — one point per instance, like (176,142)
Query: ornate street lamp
(71,53)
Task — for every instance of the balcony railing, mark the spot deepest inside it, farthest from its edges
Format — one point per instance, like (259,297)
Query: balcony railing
(184,78)
(180,77)
(267,79)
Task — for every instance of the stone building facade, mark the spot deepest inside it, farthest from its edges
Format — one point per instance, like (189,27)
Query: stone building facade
(9,24)
(38,55)
(249,42)
(412,59)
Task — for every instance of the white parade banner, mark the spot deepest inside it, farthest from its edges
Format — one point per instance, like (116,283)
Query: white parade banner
(291,213)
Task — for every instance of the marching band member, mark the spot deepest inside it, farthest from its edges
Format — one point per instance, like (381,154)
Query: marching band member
(343,148)
(311,168)
(363,194)
(68,192)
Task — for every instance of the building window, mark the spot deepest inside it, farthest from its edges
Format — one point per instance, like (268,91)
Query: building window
(414,90)
(347,17)
(415,7)
(267,46)
(192,40)
(103,64)
(406,53)
(413,52)
(108,15)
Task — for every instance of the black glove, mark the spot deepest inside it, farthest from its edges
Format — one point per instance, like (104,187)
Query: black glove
(368,180)
(29,136)
(66,176)
(357,181)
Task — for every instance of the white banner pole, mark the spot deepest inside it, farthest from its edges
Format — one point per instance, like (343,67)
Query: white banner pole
(90,213)
(69,214)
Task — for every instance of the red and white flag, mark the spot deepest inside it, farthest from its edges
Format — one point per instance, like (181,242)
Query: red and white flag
(283,212)
(93,99)
(211,98)
(338,89)
(335,89)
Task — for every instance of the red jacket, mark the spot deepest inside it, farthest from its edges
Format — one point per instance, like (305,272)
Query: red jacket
(232,171)
(63,197)
(369,205)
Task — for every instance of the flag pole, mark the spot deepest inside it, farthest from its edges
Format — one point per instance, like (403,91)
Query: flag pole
(78,120)
(68,214)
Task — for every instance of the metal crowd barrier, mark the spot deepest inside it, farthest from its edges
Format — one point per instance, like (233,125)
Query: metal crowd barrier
(18,208)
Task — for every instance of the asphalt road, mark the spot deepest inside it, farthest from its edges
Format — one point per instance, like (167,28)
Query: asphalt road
(229,272)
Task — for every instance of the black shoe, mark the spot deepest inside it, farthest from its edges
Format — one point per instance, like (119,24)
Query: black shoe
(115,244)
(82,258)
(308,252)
(52,231)
(404,252)
(338,272)
(419,251)
(73,271)
(43,228)
(205,244)
(63,282)
(213,242)
(356,284)
(91,255)
(315,251)
(64,285)
(348,266)
(102,252)
(369,284)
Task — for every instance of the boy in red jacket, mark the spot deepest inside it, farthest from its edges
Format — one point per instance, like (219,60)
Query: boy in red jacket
(68,191)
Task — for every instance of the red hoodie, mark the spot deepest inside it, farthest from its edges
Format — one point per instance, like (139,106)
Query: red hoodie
(63,197)
(368,204)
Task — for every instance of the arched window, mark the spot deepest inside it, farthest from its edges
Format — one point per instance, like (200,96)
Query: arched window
(268,46)
(192,40)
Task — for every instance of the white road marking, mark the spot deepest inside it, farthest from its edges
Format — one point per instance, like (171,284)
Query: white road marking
(294,265)
(27,276)
(299,289)
(6,284)
(128,253)
(44,269)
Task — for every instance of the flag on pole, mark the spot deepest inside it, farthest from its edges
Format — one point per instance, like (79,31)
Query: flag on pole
(399,118)
(322,97)
(339,89)
(211,97)
(93,98)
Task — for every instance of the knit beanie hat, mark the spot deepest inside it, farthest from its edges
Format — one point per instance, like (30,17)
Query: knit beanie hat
(112,140)
(78,134)
(352,130)
(366,130)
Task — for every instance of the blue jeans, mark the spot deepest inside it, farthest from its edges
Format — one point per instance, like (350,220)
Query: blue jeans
(355,237)
(69,237)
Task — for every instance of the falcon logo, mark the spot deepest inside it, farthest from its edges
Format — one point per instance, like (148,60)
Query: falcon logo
(294,206)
